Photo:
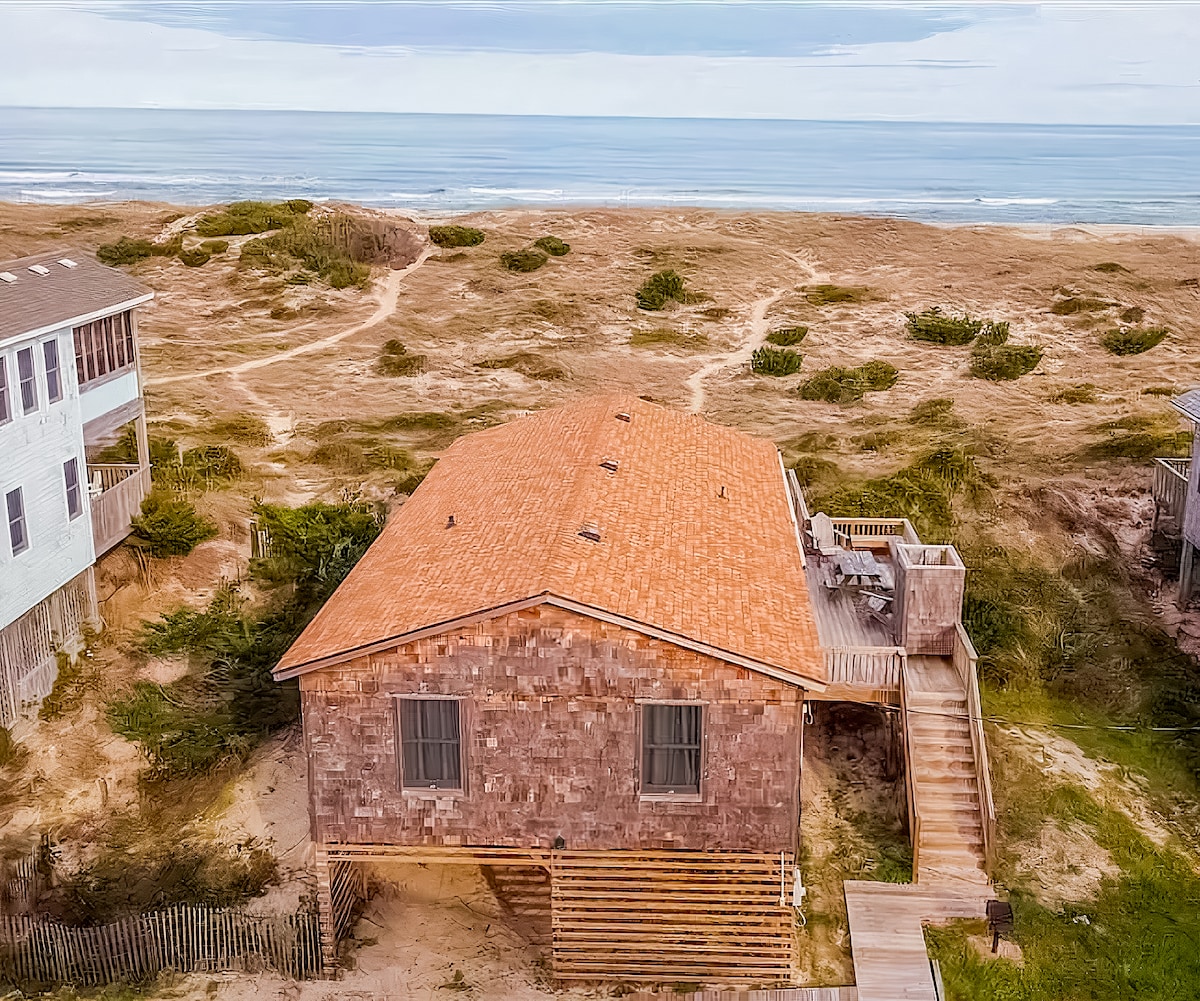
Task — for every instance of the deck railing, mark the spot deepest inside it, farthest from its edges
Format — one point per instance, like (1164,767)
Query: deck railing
(965,663)
(876,667)
(1170,488)
(122,490)
(910,759)
(873,533)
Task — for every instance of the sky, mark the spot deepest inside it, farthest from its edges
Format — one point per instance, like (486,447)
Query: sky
(1085,63)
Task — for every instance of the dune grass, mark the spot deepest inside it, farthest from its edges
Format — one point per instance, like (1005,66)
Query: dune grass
(305,252)
(523,260)
(664,287)
(1133,314)
(931,412)
(942,328)
(787,337)
(1079,304)
(528,363)
(1133,340)
(456,236)
(552,245)
(666,337)
(128,250)
(1110,268)
(835,295)
(243,218)
(244,429)
(848,385)
(395,361)
(767,360)
(1084,392)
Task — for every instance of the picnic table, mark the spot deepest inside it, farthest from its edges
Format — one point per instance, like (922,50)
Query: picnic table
(857,568)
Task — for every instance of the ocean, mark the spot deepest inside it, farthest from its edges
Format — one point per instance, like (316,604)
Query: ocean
(956,173)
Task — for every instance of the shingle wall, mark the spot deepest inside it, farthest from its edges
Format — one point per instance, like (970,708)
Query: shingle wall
(553,743)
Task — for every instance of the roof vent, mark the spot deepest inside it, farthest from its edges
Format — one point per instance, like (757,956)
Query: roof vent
(590,531)
(7,276)
(450,522)
(610,464)
(66,262)
(624,417)
(39,269)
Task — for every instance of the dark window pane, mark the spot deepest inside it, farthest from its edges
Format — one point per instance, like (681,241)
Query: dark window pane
(128,323)
(53,378)
(17,536)
(671,749)
(5,406)
(27,379)
(431,744)
(71,481)
(80,369)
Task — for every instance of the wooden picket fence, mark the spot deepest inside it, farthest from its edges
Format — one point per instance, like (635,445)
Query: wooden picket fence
(185,938)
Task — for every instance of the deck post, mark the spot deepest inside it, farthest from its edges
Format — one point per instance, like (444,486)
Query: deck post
(1187,563)
(325,919)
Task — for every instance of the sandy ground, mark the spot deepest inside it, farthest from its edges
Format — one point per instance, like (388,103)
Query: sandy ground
(219,341)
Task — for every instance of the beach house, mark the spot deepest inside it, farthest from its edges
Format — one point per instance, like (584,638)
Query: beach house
(584,648)
(70,392)
(1177,497)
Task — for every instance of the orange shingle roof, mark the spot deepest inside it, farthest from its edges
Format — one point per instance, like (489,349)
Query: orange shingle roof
(696,537)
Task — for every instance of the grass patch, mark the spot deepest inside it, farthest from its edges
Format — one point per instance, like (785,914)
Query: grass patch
(1133,341)
(664,287)
(1004,362)
(127,250)
(528,363)
(245,429)
(195,258)
(812,470)
(243,218)
(214,247)
(523,261)
(73,224)
(1141,445)
(1160,391)
(70,686)
(933,412)
(767,360)
(941,328)
(206,467)
(848,385)
(1084,392)
(835,295)
(666,337)
(1133,314)
(716,313)
(305,252)
(787,337)
(169,526)
(1079,304)
(455,236)
(1110,268)
(553,246)
(394,360)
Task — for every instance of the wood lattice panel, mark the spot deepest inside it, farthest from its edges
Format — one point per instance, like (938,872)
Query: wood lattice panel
(708,917)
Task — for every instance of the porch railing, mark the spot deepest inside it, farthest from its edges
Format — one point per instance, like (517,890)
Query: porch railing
(122,488)
(874,533)
(1170,488)
(868,667)
(965,661)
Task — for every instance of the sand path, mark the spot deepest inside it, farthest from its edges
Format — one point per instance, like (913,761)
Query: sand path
(388,297)
(757,331)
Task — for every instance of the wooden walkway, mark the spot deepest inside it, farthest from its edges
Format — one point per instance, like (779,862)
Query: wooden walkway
(782,994)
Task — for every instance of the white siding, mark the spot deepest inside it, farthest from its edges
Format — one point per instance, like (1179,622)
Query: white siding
(97,400)
(33,448)
(1191,511)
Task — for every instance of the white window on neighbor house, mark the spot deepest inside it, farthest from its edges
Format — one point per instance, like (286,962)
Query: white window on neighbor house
(71,482)
(54,386)
(5,399)
(27,380)
(18,533)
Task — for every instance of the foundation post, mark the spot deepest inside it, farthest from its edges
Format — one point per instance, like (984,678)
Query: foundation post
(1187,563)
(325,912)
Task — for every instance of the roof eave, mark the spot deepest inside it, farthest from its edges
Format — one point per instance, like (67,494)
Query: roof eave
(82,318)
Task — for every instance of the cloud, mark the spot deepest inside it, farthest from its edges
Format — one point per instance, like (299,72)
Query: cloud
(1046,65)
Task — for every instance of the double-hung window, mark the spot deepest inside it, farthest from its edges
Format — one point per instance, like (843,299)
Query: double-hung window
(71,482)
(27,379)
(430,743)
(54,387)
(5,399)
(18,532)
(671,737)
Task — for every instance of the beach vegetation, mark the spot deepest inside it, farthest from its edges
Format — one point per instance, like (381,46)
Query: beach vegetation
(456,236)
(523,260)
(528,363)
(933,412)
(664,287)
(553,246)
(1133,340)
(666,337)
(243,218)
(1084,392)
(394,360)
(716,313)
(1110,268)
(128,250)
(1079,304)
(942,328)
(768,360)
(1160,391)
(244,429)
(1004,362)
(195,257)
(835,295)
(1139,436)
(848,385)
(812,470)
(787,337)
(307,252)
(1133,314)
(169,526)
(214,247)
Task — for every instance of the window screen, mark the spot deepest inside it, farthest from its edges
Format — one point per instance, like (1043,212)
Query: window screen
(53,372)
(671,749)
(27,380)
(71,481)
(18,535)
(431,743)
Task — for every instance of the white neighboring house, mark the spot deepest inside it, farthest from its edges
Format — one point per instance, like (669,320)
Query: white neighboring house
(70,388)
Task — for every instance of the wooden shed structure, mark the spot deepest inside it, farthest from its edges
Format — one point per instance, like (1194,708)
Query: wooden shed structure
(582,645)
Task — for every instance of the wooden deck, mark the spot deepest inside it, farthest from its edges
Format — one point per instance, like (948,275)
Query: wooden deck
(780,994)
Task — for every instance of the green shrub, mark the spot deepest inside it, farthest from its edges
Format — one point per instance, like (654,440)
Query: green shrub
(1083,393)
(935,411)
(1003,362)
(787,337)
(1110,267)
(940,328)
(660,288)
(1133,314)
(311,249)
(1160,391)
(1142,445)
(214,247)
(553,246)
(1133,341)
(129,251)
(169,526)
(528,363)
(812,469)
(195,258)
(832,295)
(767,360)
(394,360)
(523,260)
(242,218)
(847,385)
(666,336)
(455,236)
(1078,304)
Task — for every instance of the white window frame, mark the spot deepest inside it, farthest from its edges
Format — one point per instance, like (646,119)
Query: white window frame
(22,519)
(32,381)
(56,393)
